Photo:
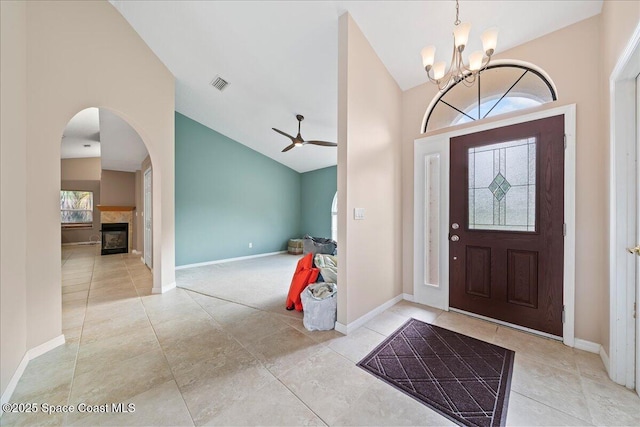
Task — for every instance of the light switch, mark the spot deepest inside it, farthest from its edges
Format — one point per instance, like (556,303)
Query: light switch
(358,213)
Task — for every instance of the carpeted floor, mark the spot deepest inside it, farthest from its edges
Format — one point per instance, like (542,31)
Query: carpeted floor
(464,379)
(261,283)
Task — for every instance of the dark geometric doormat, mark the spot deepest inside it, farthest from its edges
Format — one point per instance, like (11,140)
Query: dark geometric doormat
(462,378)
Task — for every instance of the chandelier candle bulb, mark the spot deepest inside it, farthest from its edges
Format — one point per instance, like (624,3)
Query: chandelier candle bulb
(428,56)
(439,70)
(461,35)
(475,60)
(490,40)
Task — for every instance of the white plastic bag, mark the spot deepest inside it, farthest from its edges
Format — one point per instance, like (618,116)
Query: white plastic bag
(320,313)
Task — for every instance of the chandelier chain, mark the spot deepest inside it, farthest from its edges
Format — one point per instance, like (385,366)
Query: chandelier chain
(457,21)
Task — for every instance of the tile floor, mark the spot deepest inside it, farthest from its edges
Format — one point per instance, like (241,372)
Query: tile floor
(184,358)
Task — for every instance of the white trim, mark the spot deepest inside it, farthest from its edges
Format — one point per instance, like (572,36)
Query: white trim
(590,346)
(164,288)
(136,252)
(45,347)
(346,329)
(29,355)
(221,261)
(11,387)
(421,146)
(605,360)
(408,297)
(621,266)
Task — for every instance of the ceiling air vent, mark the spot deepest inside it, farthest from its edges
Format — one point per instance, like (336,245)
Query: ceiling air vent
(219,83)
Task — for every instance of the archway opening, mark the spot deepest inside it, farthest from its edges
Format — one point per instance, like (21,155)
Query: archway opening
(102,213)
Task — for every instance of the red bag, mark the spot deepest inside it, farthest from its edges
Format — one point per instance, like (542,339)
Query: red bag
(303,275)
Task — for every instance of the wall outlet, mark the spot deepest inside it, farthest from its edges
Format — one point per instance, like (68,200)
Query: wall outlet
(250,245)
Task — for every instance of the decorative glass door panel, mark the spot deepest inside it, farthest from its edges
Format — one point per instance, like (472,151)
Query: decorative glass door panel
(502,186)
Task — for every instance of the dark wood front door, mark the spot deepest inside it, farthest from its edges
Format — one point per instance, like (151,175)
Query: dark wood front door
(507,224)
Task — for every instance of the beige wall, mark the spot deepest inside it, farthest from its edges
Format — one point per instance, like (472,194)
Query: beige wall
(118,188)
(13,203)
(560,54)
(80,169)
(369,133)
(619,20)
(111,68)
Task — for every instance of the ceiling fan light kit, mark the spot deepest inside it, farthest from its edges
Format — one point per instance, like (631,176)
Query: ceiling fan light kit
(458,71)
(298,141)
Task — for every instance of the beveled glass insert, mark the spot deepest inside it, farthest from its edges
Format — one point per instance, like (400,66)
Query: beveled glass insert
(502,186)
(432,220)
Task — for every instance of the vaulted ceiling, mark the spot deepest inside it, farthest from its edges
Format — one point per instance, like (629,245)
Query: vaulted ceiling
(281,57)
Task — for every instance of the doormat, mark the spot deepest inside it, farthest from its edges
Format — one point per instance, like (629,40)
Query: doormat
(462,378)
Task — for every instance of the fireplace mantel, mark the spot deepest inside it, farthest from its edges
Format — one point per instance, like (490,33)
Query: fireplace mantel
(105,208)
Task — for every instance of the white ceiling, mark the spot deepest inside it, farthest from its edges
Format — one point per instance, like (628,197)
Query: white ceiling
(122,147)
(111,138)
(280,57)
(83,129)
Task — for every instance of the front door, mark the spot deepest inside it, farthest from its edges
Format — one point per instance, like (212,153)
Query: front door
(506,224)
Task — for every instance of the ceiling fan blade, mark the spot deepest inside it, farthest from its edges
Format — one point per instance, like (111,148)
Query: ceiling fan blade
(288,147)
(323,143)
(284,133)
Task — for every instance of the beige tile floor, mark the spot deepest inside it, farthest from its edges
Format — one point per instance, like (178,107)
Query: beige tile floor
(184,358)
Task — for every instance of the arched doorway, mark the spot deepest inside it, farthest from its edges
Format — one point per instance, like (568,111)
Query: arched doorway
(102,213)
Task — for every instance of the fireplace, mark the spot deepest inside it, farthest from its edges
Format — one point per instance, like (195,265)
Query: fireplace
(115,238)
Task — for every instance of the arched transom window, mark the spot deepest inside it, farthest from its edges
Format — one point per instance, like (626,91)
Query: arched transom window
(503,87)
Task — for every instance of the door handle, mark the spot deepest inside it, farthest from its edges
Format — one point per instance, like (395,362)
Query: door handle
(635,250)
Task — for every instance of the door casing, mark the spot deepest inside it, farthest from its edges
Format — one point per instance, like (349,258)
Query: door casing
(621,358)
(148,218)
(437,294)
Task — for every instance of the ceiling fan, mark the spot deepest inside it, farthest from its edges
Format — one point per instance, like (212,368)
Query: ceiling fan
(298,141)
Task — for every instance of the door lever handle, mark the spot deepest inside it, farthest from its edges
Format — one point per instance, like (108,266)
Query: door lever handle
(635,250)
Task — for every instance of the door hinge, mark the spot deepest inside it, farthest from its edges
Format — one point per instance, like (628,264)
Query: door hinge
(565,141)
(634,310)
(563,314)
(564,228)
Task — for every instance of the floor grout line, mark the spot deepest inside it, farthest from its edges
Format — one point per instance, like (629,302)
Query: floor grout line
(164,354)
(257,359)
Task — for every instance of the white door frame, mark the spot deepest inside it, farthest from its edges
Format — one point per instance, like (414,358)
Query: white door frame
(437,295)
(148,222)
(623,214)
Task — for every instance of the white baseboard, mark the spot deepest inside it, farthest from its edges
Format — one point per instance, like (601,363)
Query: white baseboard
(605,360)
(585,345)
(346,329)
(29,355)
(220,261)
(135,252)
(164,288)
(408,297)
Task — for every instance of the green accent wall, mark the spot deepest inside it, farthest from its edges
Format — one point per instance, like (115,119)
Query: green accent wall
(318,189)
(228,195)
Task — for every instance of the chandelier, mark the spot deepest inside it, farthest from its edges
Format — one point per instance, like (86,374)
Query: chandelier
(458,70)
